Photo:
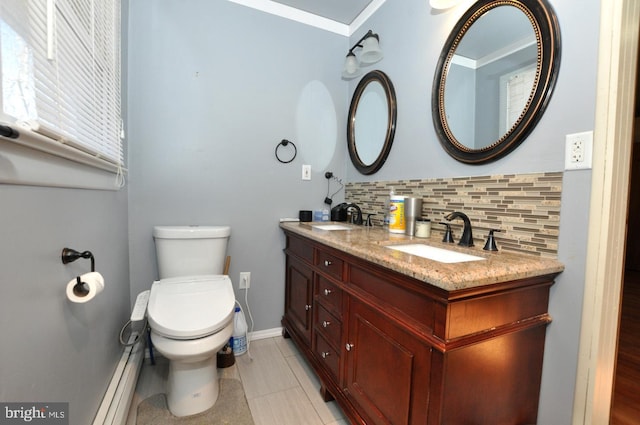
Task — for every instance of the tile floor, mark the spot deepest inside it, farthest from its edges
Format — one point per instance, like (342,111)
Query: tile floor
(280,387)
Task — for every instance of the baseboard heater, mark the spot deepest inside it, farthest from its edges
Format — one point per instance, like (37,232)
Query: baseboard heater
(115,405)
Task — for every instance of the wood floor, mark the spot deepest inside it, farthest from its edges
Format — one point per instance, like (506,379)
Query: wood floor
(626,396)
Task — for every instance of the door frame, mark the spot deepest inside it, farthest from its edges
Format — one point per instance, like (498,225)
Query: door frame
(616,82)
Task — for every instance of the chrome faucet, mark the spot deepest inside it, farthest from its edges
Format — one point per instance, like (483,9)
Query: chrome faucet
(467,235)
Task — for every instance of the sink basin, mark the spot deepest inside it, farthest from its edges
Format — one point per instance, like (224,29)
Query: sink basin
(331,227)
(436,254)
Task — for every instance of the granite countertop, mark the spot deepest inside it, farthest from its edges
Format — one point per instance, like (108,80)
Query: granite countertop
(370,243)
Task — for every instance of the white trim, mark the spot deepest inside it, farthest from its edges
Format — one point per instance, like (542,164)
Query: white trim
(608,210)
(307,18)
(265,333)
(464,61)
(24,165)
(365,15)
(496,55)
(294,14)
(507,51)
(117,399)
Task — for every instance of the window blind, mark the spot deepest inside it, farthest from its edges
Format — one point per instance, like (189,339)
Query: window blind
(61,72)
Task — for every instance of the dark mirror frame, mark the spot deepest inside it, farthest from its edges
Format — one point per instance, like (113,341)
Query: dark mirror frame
(547,32)
(389,91)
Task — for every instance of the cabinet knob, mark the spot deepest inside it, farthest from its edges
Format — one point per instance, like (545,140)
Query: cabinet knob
(327,263)
(348,346)
(307,307)
(327,291)
(325,354)
(325,323)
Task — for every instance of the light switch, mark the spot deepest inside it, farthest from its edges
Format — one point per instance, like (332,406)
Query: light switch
(306,172)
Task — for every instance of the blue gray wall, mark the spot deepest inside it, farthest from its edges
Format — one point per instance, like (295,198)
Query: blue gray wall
(52,349)
(214,87)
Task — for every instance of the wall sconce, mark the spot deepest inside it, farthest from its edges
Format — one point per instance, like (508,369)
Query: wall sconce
(371,53)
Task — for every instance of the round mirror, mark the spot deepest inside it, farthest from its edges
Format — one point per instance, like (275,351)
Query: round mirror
(372,122)
(495,77)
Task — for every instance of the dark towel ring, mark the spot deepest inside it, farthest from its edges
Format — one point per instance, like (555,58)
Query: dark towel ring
(285,142)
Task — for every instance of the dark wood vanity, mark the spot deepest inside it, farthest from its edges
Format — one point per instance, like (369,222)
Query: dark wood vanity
(393,349)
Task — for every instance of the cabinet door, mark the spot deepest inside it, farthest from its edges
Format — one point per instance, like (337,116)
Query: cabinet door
(298,297)
(388,369)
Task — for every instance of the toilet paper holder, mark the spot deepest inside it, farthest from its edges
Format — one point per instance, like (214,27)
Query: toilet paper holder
(70,255)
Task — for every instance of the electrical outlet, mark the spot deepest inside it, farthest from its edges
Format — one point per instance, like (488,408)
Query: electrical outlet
(306,172)
(578,148)
(245,280)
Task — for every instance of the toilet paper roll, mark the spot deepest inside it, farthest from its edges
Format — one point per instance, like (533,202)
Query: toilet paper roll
(91,285)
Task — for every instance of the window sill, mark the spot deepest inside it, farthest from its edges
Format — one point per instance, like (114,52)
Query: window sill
(34,161)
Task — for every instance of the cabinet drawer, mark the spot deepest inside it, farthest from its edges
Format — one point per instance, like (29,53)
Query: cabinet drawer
(390,294)
(329,325)
(327,355)
(329,293)
(300,248)
(329,264)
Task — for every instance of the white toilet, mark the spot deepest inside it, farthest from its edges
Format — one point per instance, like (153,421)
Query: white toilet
(190,312)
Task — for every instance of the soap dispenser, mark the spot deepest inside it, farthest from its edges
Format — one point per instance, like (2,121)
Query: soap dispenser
(490,245)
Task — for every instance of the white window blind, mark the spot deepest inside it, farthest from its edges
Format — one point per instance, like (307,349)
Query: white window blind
(61,72)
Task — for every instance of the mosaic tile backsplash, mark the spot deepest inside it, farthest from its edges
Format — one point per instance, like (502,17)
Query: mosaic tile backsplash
(525,207)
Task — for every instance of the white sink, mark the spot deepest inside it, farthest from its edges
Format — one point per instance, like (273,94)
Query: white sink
(330,227)
(435,254)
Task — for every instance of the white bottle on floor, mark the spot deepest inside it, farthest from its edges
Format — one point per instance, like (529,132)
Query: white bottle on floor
(239,333)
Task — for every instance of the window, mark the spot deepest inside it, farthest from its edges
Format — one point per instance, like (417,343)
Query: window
(60,85)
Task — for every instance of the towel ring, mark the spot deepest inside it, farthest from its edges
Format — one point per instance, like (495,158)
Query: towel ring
(285,142)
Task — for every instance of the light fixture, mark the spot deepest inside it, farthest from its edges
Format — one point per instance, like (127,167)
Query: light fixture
(443,4)
(371,53)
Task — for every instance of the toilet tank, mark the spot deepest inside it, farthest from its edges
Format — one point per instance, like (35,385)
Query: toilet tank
(190,250)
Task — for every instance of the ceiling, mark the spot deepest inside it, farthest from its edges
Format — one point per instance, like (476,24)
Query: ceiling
(343,11)
(342,17)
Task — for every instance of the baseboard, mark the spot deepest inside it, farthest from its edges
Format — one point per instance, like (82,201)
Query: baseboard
(117,399)
(265,333)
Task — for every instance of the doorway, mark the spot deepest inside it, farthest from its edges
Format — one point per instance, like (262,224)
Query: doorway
(625,404)
(616,84)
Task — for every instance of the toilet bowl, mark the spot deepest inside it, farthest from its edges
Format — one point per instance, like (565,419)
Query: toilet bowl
(191,319)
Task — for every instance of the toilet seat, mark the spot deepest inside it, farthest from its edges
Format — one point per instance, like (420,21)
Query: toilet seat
(190,307)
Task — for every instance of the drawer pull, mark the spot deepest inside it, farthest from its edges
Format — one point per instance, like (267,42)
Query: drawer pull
(327,263)
(307,307)
(327,292)
(349,346)
(325,354)
(325,323)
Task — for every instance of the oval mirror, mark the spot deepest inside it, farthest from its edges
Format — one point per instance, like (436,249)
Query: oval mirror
(495,77)
(372,122)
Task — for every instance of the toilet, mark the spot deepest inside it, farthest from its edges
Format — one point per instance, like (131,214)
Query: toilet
(190,312)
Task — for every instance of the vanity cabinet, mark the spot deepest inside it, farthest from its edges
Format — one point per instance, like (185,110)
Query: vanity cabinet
(392,349)
(299,297)
(387,368)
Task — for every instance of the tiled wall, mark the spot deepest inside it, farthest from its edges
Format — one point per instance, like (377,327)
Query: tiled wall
(525,207)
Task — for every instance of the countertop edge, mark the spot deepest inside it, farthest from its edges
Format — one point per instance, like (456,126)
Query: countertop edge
(370,244)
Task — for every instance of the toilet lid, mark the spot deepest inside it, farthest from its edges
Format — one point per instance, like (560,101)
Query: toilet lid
(191,307)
